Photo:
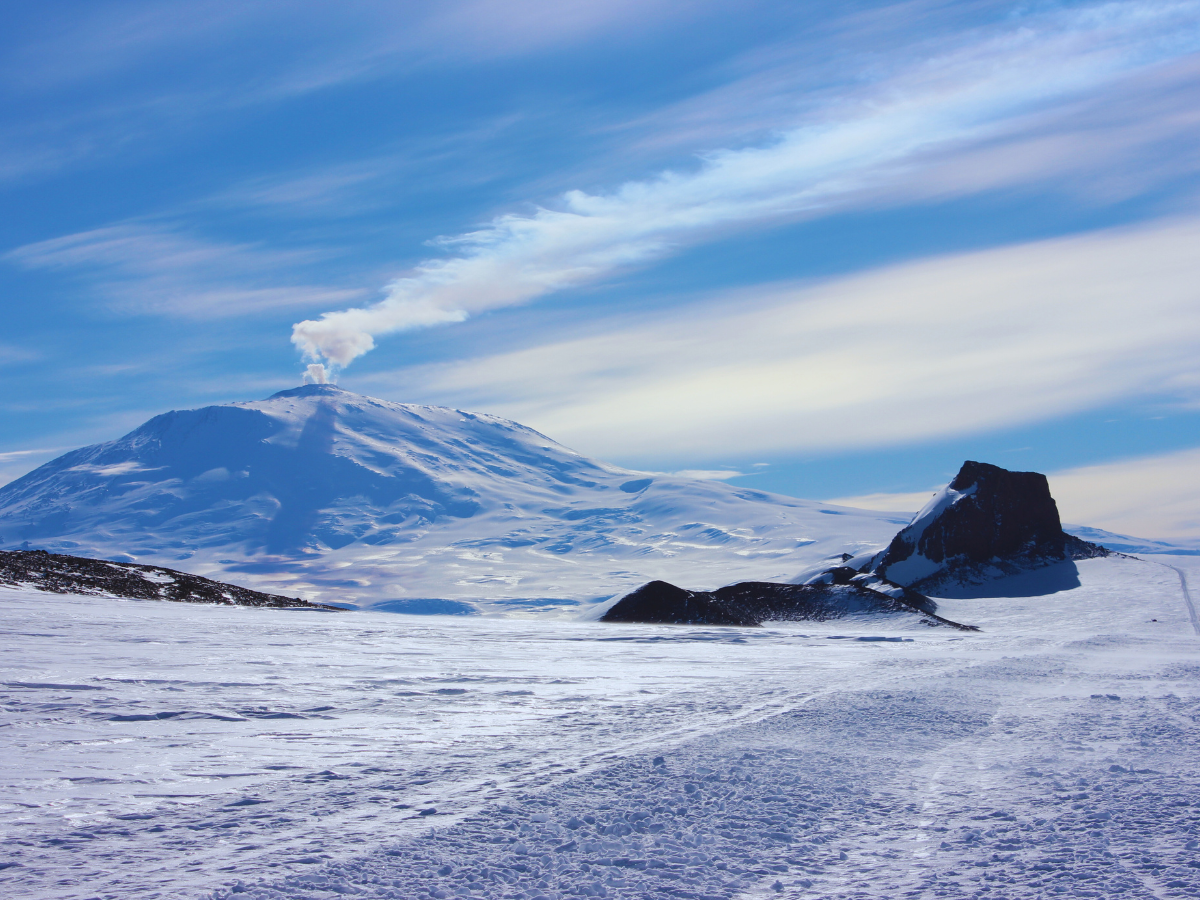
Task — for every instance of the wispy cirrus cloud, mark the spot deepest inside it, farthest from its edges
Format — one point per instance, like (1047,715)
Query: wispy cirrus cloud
(343,189)
(162,68)
(151,269)
(12,355)
(880,144)
(383,180)
(949,346)
(307,46)
(908,502)
(15,463)
(710,474)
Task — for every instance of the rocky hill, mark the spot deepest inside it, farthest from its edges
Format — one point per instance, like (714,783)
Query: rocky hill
(753,603)
(987,523)
(60,574)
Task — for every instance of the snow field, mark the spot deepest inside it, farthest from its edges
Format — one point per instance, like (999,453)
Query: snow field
(161,750)
(156,747)
(854,795)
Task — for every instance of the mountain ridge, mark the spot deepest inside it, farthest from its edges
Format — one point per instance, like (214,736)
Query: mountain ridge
(326,494)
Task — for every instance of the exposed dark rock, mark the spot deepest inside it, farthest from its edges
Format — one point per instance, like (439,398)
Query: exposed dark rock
(987,523)
(662,603)
(846,575)
(754,602)
(61,574)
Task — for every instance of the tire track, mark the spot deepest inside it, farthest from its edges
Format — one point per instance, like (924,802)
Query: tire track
(1187,598)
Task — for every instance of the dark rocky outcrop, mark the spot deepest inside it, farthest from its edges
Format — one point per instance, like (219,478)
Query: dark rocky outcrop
(662,603)
(751,603)
(61,574)
(987,523)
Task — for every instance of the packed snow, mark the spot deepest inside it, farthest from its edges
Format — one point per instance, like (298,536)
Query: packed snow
(167,750)
(331,496)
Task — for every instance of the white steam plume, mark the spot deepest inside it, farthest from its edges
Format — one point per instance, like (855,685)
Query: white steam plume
(976,93)
(316,374)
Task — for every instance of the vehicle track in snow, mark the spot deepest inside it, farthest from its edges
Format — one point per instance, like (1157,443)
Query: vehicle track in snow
(1187,598)
(1004,780)
(159,748)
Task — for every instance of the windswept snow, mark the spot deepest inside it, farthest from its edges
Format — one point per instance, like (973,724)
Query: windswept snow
(157,750)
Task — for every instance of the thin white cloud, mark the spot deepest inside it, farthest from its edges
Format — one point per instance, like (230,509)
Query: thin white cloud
(1155,497)
(497,28)
(456,159)
(709,474)
(334,190)
(14,455)
(11,354)
(976,94)
(908,502)
(121,468)
(173,64)
(323,42)
(141,268)
(949,346)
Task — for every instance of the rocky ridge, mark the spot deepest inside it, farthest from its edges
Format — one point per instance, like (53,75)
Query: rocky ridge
(60,574)
(751,603)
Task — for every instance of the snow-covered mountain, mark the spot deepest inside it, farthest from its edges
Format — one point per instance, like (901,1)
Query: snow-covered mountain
(336,497)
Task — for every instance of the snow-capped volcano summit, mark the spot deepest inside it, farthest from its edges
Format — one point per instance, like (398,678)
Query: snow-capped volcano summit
(335,496)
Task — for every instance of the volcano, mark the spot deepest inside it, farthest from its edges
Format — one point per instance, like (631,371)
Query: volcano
(332,496)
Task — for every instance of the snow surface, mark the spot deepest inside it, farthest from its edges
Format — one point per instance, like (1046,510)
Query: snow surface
(1124,543)
(335,497)
(166,750)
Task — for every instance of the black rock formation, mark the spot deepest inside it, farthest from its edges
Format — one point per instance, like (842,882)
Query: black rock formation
(61,574)
(662,603)
(989,522)
(754,602)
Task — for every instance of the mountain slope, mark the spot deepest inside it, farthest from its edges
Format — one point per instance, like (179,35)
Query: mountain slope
(333,496)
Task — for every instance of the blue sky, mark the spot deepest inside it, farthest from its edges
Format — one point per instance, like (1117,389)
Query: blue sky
(836,248)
